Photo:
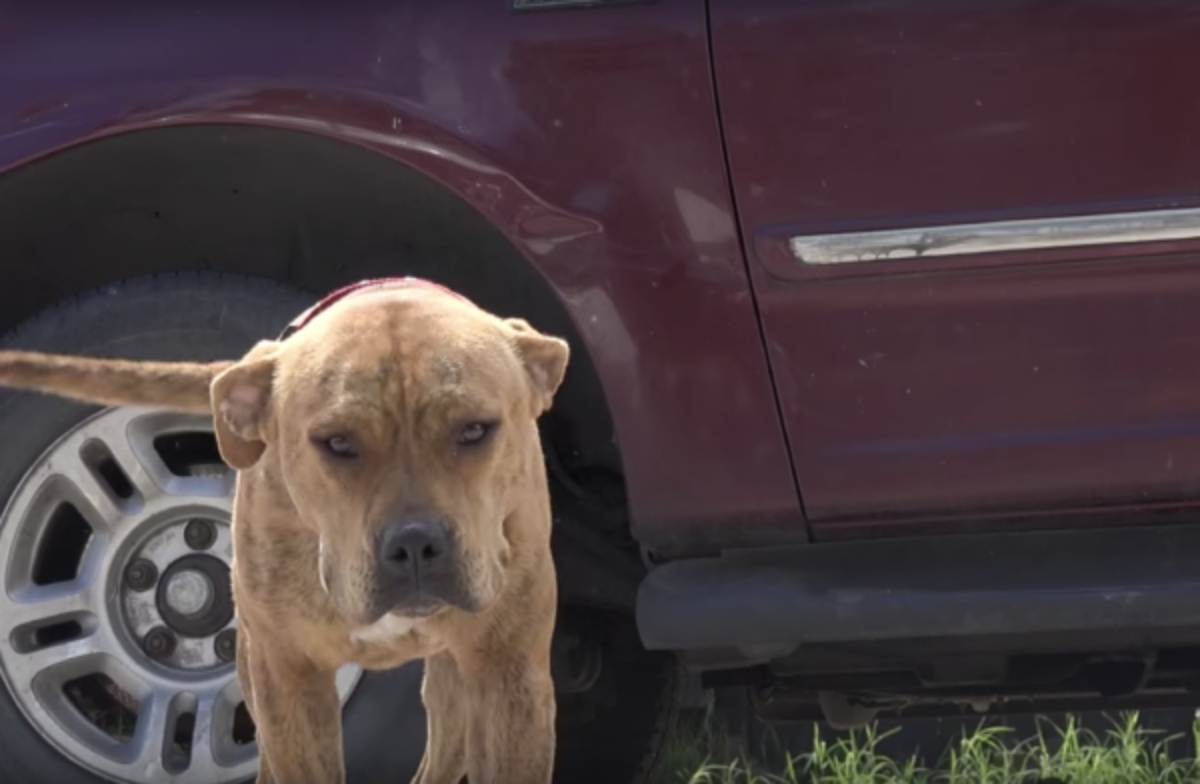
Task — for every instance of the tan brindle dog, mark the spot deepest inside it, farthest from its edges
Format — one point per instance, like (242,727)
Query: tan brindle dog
(391,504)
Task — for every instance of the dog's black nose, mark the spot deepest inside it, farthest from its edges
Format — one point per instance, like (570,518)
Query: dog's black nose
(412,546)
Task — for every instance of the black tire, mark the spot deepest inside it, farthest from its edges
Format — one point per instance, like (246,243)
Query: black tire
(616,732)
(183,317)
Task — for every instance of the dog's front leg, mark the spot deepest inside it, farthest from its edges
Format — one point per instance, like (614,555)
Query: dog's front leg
(298,718)
(446,705)
(510,737)
(247,687)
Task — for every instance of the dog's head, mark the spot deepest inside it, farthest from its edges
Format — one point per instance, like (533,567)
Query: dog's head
(404,429)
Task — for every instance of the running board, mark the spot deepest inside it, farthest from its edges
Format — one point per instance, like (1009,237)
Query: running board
(766,603)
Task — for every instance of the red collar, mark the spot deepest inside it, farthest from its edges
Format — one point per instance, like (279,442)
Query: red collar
(354,288)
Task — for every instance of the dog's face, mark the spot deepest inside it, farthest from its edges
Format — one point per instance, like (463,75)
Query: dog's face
(404,429)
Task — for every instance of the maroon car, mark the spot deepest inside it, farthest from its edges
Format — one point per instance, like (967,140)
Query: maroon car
(885,318)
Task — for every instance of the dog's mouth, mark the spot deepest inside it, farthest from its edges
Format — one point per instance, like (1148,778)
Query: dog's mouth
(417,607)
(416,601)
(420,606)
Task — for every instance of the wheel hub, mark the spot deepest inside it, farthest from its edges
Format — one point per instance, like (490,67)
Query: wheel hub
(187,592)
(194,597)
(180,596)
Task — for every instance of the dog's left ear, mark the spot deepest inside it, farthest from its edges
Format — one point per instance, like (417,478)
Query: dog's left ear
(241,399)
(545,360)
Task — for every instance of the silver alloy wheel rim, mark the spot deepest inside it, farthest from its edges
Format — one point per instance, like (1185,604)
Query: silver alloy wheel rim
(109,480)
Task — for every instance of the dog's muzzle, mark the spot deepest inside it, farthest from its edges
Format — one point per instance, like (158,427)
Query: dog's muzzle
(416,571)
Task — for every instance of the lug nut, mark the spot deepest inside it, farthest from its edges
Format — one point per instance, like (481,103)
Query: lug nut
(200,534)
(226,645)
(141,575)
(159,642)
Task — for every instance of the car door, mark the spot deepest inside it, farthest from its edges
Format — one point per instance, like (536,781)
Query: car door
(972,229)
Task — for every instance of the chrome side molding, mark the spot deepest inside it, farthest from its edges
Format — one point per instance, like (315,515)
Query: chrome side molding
(966,239)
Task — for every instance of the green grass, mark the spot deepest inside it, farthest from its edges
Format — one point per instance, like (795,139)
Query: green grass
(1125,754)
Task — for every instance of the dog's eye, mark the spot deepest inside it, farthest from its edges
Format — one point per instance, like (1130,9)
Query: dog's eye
(340,446)
(474,434)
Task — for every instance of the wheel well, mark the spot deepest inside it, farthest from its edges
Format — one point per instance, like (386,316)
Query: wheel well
(287,206)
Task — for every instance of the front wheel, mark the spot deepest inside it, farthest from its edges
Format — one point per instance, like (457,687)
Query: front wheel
(116,621)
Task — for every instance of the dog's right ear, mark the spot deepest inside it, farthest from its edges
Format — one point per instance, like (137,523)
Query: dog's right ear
(241,400)
(545,359)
